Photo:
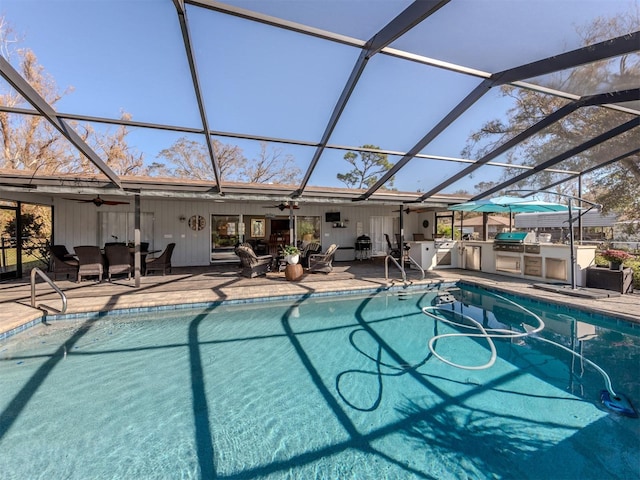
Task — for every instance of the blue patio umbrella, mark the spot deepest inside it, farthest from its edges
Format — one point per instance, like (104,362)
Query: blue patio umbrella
(506,204)
(510,205)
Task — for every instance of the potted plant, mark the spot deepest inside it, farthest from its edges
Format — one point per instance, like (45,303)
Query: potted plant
(615,258)
(291,254)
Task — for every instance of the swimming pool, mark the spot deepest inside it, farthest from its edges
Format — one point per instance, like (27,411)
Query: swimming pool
(317,387)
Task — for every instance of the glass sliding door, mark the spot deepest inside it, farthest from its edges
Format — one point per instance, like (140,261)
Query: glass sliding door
(10,266)
(20,252)
(226,232)
(379,226)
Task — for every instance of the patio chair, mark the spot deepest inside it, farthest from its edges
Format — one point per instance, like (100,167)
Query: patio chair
(252,265)
(163,262)
(91,262)
(394,252)
(119,260)
(311,249)
(61,261)
(323,262)
(405,245)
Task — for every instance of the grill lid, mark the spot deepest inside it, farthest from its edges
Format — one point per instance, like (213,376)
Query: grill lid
(511,237)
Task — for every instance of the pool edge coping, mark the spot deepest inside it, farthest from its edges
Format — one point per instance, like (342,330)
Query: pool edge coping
(44,317)
(590,311)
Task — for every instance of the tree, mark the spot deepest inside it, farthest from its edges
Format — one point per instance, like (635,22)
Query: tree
(614,192)
(113,147)
(368,166)
(30,142)
(587,122)
(190,159)
(271,166)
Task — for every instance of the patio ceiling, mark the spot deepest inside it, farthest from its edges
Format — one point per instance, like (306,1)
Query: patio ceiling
(320,79)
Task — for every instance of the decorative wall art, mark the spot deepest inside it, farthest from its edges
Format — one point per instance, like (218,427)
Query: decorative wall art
(257,227)
(197,222)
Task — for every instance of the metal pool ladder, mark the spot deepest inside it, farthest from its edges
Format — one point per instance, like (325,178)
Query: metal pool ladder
(44,276)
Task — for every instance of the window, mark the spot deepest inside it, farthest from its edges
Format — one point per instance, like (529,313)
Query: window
(308,230)
(224,231)
(119,227)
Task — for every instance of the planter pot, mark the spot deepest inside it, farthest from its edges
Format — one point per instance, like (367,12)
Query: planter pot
(292,259)
(615,266)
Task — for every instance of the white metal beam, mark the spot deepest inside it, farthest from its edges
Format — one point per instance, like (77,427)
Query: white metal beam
(39,103)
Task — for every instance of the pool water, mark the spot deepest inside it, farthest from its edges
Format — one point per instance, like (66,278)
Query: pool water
(319,387)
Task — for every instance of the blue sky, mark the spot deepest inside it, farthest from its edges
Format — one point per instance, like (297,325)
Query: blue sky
(128,56)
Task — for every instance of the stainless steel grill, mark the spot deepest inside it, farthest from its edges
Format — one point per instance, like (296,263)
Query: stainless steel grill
(515,242)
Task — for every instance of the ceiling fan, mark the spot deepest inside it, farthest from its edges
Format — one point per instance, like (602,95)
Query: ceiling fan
(284,206)
(98,202)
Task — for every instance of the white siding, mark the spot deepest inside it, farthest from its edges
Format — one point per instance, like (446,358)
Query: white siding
(77,223)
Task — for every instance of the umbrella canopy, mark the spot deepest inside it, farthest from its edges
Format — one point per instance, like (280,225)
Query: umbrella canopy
(507,204)
(492,221)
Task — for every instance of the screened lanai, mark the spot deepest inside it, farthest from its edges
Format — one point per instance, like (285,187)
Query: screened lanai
(166,122)
(421,102)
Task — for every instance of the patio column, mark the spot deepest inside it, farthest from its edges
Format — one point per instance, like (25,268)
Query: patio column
(485,226)
(136,239)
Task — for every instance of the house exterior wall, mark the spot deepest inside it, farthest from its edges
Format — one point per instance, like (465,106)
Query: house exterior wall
(77,223)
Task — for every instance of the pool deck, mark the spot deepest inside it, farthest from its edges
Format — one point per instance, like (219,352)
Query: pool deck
(187,285)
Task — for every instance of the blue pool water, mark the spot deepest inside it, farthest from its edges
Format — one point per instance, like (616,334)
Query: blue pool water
(319,387)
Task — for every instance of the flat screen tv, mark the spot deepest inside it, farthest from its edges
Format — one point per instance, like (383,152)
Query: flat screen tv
(332,217)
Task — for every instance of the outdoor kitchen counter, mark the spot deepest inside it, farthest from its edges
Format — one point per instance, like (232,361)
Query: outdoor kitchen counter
(430,254)
(552,263)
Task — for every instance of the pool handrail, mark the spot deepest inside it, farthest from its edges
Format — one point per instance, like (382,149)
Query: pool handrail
(400,267)
(36,271)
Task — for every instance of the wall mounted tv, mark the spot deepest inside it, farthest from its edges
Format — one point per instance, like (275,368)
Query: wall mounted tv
(332,217)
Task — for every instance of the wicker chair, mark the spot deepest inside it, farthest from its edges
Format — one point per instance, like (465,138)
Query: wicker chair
(60,262)
(119,260)
(310,249)
(252,265)
(91,262)
(323,262)
(163,262)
